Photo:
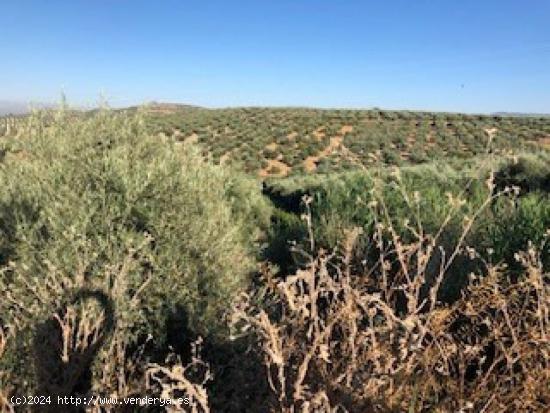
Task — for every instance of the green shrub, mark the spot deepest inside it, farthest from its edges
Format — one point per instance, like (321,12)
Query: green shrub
(88,192)
(514,225)
(342,201)
(529,173)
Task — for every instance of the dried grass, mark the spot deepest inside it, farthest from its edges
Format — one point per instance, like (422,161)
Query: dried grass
(174,381)
(5,406)
(381,341)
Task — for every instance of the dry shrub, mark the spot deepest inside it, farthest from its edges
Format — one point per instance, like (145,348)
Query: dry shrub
(188,382)
(5,406)
(79,333)
(80,326)
(334,340)
(84,347)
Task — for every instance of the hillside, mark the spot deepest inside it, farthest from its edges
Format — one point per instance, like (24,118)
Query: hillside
(277,142)
(280,142)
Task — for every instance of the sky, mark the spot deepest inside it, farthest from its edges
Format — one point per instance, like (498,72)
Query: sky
(462,56)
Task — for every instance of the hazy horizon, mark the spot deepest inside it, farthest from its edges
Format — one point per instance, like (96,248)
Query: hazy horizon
(24,107)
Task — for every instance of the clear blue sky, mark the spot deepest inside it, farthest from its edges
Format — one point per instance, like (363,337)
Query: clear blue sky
(459,55)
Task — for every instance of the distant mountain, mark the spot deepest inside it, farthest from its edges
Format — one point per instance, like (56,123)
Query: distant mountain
(522,115)
(8,107)
(167,107)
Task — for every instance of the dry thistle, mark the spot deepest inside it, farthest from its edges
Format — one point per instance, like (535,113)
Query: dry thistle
(173,382)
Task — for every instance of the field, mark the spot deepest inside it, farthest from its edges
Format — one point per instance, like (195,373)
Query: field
(281,142)
(276,259)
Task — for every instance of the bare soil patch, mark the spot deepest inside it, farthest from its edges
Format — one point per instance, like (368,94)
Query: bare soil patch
(311,162)
(275,168)
(193,138)
(319,133)
(545,142)
(491,132)
(346,129)
(291,136)
(225,157)
(430,139)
